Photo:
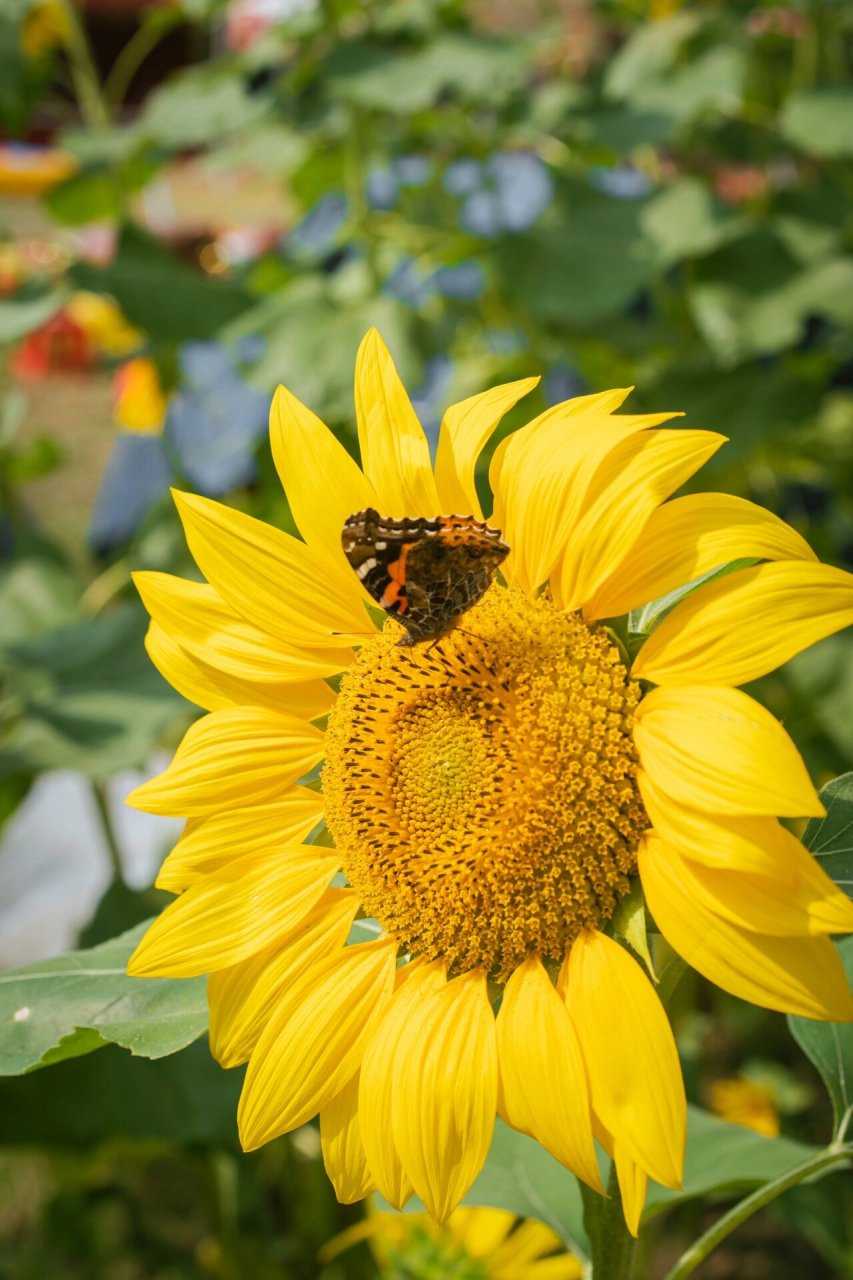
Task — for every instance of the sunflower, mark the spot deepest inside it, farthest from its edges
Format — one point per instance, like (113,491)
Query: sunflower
(474,1244)
(487,798)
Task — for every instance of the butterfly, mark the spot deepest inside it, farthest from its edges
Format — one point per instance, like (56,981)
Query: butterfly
(426,572)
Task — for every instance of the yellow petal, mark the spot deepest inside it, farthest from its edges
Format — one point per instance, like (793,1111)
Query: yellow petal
(213,690)
(443,1104)
(378,1080)
(233,913)
(755,845)
(633,1185)
(213,842)
(793,975)
(243,997)
(687,538)
(465,429)
(200,621)
(323,483)
(524,1255)
(343,1150)
(630,483)
(313,1044)
(747,623)
(805,902)
(543,1087)
(479,1232)
(239,756)
(541,478)
(630,1053)
(394,449)
(277,583)
(720,751)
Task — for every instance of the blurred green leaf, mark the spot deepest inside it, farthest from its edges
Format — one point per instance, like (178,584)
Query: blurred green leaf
(587,262)
(520,1176)
(829,1045)
(200,106)
(86,197)
(648,53)
(820,121)
(385,79)
(686,221)
(88,698)
(37,593)
(17,319)
(160,293)
(822,680)
(723,1157)
(186,1098)
(71,1005)
(311,341)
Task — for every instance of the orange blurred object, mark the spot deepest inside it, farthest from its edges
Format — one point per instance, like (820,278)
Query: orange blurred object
(30,171)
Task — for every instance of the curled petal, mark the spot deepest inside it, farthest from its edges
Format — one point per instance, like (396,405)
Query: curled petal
(719,750)
(688,537)
(719,633)
(793,975)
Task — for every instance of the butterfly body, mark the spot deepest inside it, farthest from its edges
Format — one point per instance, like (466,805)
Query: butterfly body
(425,572)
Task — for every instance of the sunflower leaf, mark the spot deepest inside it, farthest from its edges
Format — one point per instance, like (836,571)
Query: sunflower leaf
(829,1045)
(72,1004)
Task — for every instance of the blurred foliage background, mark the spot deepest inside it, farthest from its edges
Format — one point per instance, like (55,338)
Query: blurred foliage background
(203,199)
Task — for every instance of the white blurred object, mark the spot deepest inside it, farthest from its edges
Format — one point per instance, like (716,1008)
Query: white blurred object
(246,21)
(55,865)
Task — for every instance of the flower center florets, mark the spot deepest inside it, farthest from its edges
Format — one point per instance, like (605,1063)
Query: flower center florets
(482,789)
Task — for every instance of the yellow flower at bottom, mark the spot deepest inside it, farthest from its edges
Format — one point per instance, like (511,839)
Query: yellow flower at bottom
(492,793)
(474,1244)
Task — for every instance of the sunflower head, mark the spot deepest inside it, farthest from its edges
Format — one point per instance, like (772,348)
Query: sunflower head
(480,799)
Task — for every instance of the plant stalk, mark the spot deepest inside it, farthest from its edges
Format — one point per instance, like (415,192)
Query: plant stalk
(611,1244)
(99,791)
(724,1226)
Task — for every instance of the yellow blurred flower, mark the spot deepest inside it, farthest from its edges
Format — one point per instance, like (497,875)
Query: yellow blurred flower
(45,26)
(745,1102)
(504,1246)
(492,793)
(139,404)
(102,321)
(30,171)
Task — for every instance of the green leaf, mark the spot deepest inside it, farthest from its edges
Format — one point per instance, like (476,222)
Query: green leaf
(36,595)
(70,1005)
(87,697)
(161,294)
(641,622)
(829,1045)
(17,319)
(726,1157)
(85,197)
(382,78)
(186,1098)
(521,1177)
(830,839)
(586,262)
(648,53)
(820,121)
(686,221)
(200,106)
(311,341)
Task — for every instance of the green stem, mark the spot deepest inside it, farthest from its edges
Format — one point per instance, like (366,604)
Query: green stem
(142,43)
(99,791)
(724,1226)
(84,73)
(610,1242)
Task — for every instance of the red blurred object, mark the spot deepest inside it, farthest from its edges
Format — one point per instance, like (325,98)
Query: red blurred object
(59,346)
